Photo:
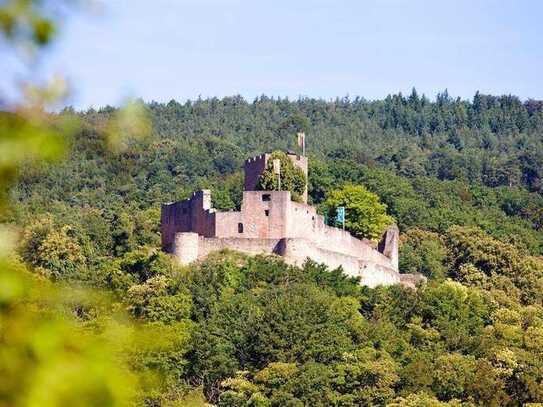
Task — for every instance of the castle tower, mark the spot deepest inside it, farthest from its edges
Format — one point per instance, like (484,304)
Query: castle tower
(255,166)
(253,169)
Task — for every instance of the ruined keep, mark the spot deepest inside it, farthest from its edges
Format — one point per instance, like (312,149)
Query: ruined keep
(270,222)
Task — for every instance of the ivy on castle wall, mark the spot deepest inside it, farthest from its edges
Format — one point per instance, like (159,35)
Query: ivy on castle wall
(293,178)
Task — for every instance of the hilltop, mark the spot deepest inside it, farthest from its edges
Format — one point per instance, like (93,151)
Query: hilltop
(462,179)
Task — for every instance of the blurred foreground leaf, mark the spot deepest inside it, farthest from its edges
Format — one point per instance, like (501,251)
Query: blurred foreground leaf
(47,359)
(128,124)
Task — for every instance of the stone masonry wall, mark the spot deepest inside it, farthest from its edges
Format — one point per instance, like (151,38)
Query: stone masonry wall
(270,222)
(264,214)
(186,247)
(372,271)
(297,250)
(226,223)
(190,247)
(190,215)
(305,223)
(253,168)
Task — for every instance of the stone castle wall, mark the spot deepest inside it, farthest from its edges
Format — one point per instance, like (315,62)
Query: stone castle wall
(269,222)
(190,215)
(249,246)
(253,168)
(190,247)
(263,215)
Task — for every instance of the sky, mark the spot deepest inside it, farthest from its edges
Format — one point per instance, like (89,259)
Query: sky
(182,49)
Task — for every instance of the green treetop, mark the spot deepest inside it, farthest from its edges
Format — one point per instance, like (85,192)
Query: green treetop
(365,215)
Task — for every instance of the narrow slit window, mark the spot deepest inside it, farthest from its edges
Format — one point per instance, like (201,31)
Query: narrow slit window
(240,227)
(267,212)
(266,197)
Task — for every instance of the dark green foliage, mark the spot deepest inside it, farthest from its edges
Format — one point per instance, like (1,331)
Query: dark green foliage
(159,299)
(54,251)
(227,193)
(461,178)
(255,331)
(423,252)
(277,335)
(136,267)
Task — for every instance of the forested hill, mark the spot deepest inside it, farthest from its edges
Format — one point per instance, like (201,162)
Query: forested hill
(462,180)
(434,163)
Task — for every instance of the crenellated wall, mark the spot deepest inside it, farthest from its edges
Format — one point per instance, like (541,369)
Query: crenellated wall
(253,168)
(190,215)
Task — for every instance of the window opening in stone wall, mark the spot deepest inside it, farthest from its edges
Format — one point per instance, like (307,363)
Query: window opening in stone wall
(267,212)
(240,227)
(266,197)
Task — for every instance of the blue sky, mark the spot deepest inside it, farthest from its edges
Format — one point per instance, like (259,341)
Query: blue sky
(180,49)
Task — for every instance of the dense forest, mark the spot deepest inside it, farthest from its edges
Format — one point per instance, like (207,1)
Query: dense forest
(435,164)
(462,179)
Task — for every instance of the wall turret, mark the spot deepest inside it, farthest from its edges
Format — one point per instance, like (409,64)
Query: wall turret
(389,245)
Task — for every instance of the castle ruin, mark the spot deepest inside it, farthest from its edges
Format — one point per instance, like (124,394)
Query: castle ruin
(270,222)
